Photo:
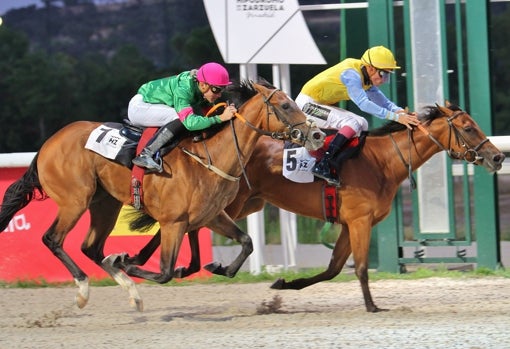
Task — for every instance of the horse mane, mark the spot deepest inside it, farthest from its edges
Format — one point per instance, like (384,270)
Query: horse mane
(237,93)
(241,91)
(428,114)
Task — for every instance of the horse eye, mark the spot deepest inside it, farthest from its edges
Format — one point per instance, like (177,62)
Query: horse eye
(468,129)
(285,106)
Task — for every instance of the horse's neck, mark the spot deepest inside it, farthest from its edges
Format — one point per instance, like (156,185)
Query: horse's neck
(394,157)
(234,143)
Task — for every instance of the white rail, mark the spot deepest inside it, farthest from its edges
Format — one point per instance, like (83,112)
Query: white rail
(10,160)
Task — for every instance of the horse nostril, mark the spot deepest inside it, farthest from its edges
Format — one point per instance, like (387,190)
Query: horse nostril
(498,159)
(318,136)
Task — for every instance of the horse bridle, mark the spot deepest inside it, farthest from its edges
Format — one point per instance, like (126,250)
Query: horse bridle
(293,133)
(460,139)
(452,154)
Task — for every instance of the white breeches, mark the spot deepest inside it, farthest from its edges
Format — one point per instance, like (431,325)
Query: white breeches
(336,118)
(149,115)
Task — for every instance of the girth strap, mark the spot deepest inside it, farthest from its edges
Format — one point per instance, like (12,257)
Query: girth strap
(211,167)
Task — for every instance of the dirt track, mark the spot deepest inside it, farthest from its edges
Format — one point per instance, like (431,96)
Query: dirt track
(428,313)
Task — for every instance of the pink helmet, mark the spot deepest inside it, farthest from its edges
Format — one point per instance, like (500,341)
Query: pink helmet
(213,74)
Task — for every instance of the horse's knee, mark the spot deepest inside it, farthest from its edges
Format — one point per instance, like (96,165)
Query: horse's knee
(50,243)
(362,272)
(247,243)
(329,274)
(332,271)
(93,254)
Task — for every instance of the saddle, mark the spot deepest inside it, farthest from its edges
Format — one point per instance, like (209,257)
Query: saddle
(119,141)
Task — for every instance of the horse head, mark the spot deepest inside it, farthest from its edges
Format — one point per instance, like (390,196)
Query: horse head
(284,120)
(463,139)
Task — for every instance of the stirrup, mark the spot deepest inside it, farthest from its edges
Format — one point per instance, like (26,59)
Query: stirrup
(327,177)
(146,161)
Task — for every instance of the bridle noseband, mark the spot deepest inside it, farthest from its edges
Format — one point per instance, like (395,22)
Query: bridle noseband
(293,132)
(460,139)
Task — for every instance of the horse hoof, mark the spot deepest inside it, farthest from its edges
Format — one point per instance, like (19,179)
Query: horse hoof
(136,303)
(81,301)
(278,284)
(375,309)
(214,268)
(82,297)
(179,272)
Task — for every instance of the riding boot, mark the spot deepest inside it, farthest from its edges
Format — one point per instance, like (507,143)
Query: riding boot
(337,160)
(322,169)
(166,133)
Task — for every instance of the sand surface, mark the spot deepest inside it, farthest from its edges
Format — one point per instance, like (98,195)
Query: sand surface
(428,313)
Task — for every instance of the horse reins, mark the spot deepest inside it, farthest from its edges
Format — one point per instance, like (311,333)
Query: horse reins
(275,135)
(408,166)
(454,155)
(270,110)
(459,139)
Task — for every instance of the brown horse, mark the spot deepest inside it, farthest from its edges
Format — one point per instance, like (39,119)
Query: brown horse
(370,183)
(189,194)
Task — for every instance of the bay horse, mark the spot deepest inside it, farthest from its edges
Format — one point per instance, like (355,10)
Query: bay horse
(369,184)
(189,194)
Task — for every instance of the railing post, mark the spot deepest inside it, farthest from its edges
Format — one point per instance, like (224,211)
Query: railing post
(485,185)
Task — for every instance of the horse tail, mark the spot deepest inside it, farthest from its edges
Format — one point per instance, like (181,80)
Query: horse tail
(20,193)
(140,221)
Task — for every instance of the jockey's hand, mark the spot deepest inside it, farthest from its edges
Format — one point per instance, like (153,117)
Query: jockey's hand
(407,119)
(228,113)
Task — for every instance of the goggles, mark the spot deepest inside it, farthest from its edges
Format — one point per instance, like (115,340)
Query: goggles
(216,89)
(384,73)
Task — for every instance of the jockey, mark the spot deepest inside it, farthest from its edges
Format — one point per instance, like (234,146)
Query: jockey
(169,102)
(357,80)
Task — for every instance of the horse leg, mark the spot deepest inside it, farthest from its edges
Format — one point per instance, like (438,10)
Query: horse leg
(181,272)
(145,253)
(194,264)
(171,239)
(360,241)
(124,260)
(104,210)
(224,225)
(54,238)
(341,252)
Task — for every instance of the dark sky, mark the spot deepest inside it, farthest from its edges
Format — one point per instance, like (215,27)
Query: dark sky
(6,5)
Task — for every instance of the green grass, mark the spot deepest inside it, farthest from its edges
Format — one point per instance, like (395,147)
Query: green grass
(246,277)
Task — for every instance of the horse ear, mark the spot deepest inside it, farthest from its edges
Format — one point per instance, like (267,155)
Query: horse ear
(447,103)
(443,110)
(256,86)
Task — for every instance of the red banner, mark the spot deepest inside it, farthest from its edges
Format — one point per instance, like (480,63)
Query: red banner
(23,256)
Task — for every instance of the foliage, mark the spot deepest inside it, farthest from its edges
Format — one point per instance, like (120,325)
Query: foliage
(68,61)
(72,60)
(47,91)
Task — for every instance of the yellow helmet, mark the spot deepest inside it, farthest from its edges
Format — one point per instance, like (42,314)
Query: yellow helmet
(380,57)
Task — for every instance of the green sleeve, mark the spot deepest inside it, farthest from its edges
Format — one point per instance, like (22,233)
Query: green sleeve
(197,122)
